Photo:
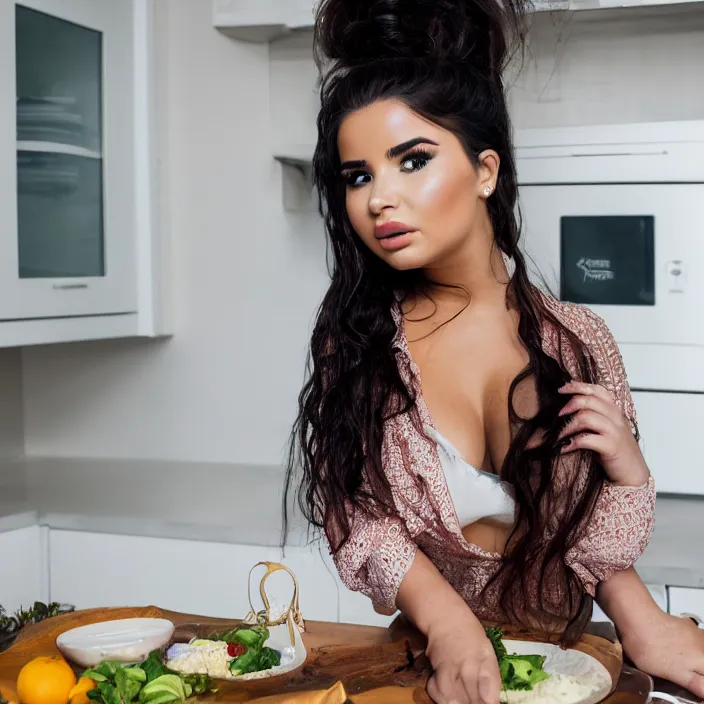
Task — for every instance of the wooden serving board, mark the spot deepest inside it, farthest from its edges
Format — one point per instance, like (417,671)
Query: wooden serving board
(375,665)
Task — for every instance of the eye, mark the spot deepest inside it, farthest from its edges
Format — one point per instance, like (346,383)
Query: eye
(415,161)
(355,179)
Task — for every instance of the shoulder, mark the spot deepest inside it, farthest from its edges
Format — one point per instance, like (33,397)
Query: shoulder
(579,320)
(592,331)
(588,327)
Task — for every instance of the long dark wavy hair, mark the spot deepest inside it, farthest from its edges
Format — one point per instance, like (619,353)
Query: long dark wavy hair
(445,59)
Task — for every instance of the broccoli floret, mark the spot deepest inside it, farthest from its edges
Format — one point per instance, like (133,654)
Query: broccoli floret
(496,637)
(518,672)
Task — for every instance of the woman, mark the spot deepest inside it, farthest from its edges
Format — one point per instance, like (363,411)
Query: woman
(508,484)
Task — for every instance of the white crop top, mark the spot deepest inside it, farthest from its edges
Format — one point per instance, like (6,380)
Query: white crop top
(475,493)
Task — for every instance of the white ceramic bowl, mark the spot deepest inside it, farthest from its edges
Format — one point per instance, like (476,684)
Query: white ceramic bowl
(128,640)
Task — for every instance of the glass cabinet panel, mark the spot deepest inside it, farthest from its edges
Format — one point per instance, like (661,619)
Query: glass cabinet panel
(60,189)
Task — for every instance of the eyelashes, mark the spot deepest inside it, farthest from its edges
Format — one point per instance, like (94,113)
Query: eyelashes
(410,162)
(419,158)
(355,179)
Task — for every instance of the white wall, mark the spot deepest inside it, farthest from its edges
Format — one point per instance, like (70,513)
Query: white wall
(11,429)
(247,275)
(615,66)
(11,413)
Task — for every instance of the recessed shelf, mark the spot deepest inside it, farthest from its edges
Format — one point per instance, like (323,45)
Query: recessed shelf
(296,174)
(56,148)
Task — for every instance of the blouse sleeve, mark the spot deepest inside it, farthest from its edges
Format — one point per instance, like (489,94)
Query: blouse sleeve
(376,557)
(624,516)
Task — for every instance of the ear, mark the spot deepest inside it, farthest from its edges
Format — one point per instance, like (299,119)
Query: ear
(487,172)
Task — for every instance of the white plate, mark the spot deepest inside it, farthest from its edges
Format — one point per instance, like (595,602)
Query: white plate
(558,662)
(128,640)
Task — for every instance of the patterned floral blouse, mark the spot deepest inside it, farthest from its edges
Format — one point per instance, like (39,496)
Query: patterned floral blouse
(380,551)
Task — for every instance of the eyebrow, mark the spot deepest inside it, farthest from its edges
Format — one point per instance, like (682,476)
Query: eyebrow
(392,153)
(403,148)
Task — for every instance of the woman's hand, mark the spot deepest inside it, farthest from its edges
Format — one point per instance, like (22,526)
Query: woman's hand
(660,644)
(466,670)
(598,424)
(671,648)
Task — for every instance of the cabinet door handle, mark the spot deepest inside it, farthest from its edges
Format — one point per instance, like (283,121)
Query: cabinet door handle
(68,287)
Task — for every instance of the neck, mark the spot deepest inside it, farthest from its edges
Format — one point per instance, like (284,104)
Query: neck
(477,267)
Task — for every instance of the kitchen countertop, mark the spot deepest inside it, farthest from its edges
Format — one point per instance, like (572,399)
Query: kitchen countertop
(388,663)
(191,501)
(176,500)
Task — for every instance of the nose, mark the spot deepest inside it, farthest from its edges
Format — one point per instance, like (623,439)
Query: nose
(382,196)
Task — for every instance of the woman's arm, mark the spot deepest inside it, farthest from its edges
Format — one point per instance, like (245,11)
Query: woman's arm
(627,602)
(425,596)
(463,659)
(620,527)
(381,560)
(603,420)
(375,557)
(657,643)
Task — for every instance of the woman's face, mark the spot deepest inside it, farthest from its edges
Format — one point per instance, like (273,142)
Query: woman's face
(413,196)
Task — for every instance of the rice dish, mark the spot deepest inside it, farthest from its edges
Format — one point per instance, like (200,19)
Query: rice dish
(208,657)
(559,689)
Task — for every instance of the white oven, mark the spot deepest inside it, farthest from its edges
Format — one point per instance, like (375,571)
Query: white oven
(614,219)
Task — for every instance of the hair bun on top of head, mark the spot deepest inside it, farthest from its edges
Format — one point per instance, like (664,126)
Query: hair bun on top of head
(482,32)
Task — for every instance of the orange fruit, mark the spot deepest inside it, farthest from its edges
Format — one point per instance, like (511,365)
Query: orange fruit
(79,694)
(45,680)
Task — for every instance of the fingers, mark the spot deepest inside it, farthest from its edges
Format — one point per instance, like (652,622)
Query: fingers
(442,689)
(434,691)
(579,387)
(590,431)
(469,683)
(472,686)
(470,690)
(587,441)
(587,421)
(482,684)
(595,401)
(696,684)
(489,684)
(488,692)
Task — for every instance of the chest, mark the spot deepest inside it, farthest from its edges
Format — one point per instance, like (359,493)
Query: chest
(466,374)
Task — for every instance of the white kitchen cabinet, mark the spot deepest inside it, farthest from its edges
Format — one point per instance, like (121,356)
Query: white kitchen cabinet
(669,439)
(201,578)
(21,568)
(267,20)
(77,240)
(688,602)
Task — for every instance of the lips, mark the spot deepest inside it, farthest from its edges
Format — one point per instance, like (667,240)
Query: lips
(391,229)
